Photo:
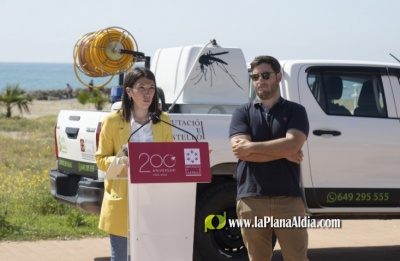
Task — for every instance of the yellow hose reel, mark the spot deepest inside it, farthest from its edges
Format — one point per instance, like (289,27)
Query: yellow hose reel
(105,53)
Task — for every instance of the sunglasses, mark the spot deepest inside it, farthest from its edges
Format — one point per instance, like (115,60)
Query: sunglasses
(264,75)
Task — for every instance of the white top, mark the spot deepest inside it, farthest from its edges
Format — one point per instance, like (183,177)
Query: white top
(145,134)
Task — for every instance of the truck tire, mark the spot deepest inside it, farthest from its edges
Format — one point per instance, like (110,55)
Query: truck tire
(226,243)
(218,244)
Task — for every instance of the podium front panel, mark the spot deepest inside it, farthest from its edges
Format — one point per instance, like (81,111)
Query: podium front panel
(169,162)
(161,218)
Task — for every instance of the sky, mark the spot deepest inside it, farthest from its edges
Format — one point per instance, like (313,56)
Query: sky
(47,30)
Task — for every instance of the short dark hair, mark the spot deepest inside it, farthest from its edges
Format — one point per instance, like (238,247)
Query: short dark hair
(130,79)
(266,59)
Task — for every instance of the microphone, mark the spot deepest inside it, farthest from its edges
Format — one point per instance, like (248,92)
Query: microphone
(154,115)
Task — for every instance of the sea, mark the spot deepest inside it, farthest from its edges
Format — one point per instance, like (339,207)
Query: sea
(47,76)
(56,76)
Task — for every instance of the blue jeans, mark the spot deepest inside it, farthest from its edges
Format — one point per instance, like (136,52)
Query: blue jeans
(119,248)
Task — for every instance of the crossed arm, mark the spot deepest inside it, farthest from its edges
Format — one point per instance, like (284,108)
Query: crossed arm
(288,147)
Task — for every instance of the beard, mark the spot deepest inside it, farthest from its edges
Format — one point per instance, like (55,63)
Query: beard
(266,94)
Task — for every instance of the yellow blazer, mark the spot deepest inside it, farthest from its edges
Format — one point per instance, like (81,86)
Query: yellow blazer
(114,133)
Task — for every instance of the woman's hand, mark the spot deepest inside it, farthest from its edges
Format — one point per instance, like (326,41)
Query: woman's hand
(123,160)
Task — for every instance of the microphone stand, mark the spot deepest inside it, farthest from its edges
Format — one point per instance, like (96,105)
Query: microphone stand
(124,148)
(158,119)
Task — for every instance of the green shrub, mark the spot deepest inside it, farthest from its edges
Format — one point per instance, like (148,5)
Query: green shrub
(95,96)
(76,219)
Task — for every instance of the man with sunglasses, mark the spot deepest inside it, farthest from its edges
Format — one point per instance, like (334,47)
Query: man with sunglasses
(266,136)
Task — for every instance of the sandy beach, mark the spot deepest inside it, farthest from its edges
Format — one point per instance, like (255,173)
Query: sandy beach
(40,108)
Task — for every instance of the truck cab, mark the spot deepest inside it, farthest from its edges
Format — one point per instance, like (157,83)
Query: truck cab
(353,109)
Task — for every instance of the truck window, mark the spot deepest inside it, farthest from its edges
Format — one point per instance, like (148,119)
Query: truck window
(348,94)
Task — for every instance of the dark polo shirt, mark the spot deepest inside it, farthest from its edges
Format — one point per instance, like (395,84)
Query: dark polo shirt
(275,178)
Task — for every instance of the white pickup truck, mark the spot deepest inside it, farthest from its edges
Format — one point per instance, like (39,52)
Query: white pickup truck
(351,166)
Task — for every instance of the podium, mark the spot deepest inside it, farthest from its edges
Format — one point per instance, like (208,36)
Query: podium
(162,178)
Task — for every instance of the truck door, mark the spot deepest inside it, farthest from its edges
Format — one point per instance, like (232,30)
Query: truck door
(353,143)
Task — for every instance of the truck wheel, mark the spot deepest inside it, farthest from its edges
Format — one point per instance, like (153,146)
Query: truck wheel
(218,244)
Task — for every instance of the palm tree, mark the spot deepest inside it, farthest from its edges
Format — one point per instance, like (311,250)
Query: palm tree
(15,96)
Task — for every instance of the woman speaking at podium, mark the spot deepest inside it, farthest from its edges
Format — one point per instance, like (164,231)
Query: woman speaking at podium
(136,116)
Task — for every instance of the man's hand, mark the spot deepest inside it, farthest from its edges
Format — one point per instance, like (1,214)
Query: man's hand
(296,158)
(241,147)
